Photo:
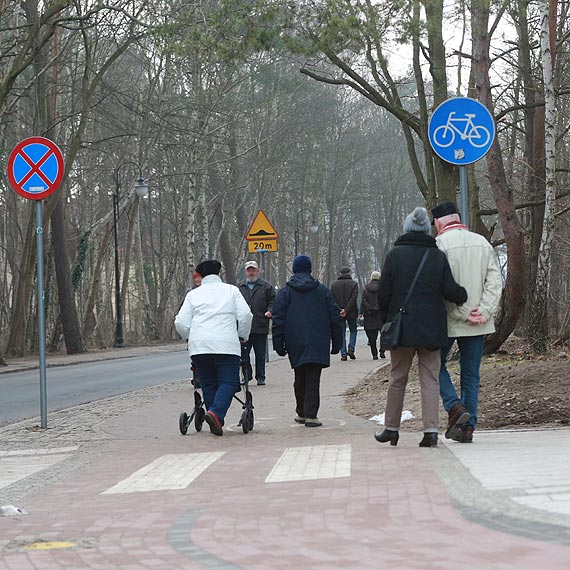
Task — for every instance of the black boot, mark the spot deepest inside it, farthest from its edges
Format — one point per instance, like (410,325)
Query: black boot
(429,440)
(386,436)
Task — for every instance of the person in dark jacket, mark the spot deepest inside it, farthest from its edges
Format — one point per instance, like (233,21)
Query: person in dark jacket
(259,295)
(424,324)
(306,320)
(345,293)
(370,310)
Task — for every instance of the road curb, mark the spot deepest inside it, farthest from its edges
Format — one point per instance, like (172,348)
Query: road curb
(95,357)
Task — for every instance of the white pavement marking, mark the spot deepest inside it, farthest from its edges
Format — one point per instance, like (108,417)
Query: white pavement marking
(312,462)
(47,451)
(533,465)
(15,468)
(169,472)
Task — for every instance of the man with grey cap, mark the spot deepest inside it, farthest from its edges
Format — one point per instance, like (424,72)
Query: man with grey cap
(345,293)
(259,295)
(473,264)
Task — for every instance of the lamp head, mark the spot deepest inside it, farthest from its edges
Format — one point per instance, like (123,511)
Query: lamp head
(141,188)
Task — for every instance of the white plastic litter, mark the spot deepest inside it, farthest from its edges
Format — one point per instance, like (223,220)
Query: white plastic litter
(406,415)
(11,511)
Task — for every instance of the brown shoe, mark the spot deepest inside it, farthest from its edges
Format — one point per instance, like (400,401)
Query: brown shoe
(464,435)
(457,415)
(344,358)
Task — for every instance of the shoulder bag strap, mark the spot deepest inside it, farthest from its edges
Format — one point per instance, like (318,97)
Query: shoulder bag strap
(416,276)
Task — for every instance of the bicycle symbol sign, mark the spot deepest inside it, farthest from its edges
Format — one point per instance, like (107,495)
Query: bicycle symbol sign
(461,130)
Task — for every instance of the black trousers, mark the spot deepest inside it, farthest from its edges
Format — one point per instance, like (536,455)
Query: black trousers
(372,335)
(307,390)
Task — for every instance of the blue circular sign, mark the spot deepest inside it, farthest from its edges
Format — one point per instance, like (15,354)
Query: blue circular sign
(461,130)
(35,168)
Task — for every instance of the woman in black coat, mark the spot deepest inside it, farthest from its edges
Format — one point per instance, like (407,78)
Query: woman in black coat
(424,323)
(370,310)
(306,320)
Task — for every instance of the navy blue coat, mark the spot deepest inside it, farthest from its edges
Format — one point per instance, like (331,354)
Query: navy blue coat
(305,321)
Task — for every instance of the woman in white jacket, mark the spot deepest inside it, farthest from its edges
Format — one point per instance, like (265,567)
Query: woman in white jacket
(215,318)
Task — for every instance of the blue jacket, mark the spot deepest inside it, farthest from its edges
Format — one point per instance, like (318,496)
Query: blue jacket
(305,321)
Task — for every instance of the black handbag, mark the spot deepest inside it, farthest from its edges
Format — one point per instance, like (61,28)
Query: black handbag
(391,332)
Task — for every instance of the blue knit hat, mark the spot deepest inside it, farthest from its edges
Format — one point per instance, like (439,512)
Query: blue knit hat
(302,264)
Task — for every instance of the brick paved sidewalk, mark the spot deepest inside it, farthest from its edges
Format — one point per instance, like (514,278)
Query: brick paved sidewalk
(117,479)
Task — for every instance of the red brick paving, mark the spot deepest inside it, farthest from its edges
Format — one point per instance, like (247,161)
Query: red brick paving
(392,512)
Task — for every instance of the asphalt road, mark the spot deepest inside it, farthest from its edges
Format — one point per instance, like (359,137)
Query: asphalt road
(80,383)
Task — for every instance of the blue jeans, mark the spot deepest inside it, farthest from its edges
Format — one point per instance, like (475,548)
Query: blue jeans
(470,355)
(352,337)
(219,379)
(257,341)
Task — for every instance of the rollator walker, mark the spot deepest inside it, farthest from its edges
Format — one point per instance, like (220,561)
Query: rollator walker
(198,414)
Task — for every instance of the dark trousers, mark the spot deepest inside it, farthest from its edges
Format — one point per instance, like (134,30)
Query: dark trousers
(372,335)
(307,390)
(219,379)
(257,341)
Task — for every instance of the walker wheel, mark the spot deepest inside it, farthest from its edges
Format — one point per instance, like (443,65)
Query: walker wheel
(199,418)
(250,420)
(245,422)
(183,423)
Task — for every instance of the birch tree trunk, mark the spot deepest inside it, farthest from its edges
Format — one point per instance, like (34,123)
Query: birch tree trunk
(539,318)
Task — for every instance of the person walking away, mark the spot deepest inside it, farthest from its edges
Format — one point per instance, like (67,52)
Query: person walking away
(370,310)
(208,320)
(306,322)
(424,320)
(473,264)
(259,295)
(345,293)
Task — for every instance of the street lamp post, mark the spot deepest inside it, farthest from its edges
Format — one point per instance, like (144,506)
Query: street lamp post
(141,189)
(313,228)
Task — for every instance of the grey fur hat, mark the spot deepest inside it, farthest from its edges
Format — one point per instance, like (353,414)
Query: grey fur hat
(417,221)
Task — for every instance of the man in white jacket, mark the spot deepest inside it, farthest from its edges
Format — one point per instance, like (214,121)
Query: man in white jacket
(474,266)
(215,318)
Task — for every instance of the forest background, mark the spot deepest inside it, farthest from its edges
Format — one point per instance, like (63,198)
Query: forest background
(312,110)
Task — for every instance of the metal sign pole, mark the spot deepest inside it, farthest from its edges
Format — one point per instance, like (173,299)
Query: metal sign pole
(37,160)
(464,195)
(263,252)
(41,312)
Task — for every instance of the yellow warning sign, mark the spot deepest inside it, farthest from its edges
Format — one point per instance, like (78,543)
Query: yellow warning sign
(262,245)
(261,228)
